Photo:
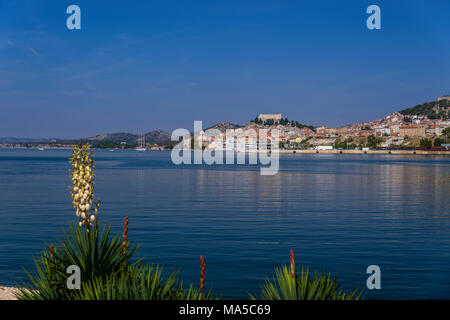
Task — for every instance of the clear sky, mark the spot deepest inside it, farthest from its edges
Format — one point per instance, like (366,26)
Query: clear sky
(136,66)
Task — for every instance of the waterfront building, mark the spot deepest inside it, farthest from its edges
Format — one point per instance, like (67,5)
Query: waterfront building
(412,131)
(326,131)
(382,131)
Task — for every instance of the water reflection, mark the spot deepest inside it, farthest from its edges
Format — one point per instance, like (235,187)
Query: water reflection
(338,212)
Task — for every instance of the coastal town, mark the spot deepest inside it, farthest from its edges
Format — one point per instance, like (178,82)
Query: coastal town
(394,131)
(424,127)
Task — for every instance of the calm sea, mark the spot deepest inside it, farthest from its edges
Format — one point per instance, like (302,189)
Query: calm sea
(340,213)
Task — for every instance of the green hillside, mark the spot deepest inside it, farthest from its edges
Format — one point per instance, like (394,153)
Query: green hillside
(433,110)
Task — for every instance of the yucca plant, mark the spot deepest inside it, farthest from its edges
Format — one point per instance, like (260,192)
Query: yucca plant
(94,252)
(192,293)
(107,272)
(303,287)
(139,283)
(197,294)
(131,283)
(289,284)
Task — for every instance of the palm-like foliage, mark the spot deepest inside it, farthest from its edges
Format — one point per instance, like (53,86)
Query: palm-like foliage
(92,251)
(106,272)
(139,283)
(131,283)
(192,293)
(303,286)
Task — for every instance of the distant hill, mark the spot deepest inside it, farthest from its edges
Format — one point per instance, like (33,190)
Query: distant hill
(22,140)
(155,136)
(433,110)
(284,122)
(224,125)
(106,139)
(113,137)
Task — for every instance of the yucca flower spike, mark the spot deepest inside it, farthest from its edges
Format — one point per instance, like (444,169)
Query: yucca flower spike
(82,190)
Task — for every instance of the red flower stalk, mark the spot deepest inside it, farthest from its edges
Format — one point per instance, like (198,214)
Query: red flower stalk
(292,264)
(125,235)
(51,251)
(202,273)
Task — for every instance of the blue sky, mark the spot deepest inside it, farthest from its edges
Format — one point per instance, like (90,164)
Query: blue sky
(141,65)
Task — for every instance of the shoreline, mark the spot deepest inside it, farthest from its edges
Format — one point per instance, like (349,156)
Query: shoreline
(7,293)
(309,151)
(392,152)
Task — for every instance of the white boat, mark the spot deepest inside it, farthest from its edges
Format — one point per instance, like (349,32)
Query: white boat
(141,146)
(41,149)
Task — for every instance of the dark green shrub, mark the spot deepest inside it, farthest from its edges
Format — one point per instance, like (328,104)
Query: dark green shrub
(138,283)
(303,286)
(91,250)
(107,272)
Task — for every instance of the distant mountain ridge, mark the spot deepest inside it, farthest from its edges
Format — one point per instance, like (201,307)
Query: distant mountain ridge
(24,140)
(155,136)
(114,137)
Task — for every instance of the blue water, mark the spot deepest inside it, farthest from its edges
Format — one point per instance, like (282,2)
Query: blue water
(339,213)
